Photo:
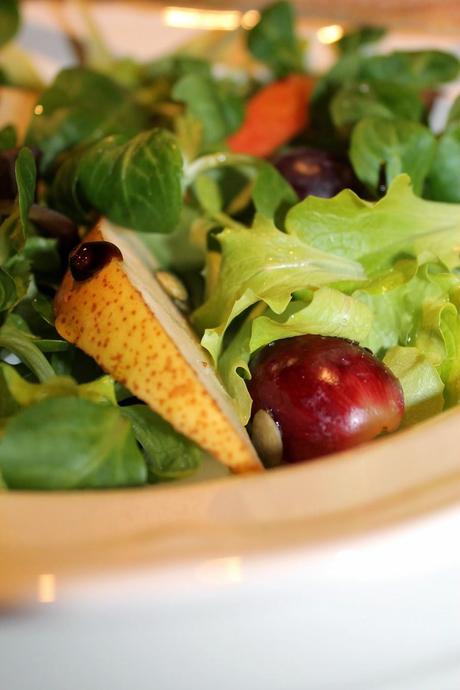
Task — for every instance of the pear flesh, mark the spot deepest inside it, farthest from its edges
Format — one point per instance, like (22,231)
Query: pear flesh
(124,320)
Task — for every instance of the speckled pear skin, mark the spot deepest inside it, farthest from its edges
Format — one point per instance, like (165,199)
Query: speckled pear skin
(108,318)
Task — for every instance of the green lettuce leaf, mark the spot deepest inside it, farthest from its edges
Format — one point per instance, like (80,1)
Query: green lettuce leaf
(135,182)
(168,454)
(26,393)
(264,264)
(80,106)
(26,178)
(70,443)
(359,38)
(422,386)
(330,312)
(273,40)
(380,99)
(272,194)
(377,233)
(233,366)
(418,69)
(398,311)
(400,145)
(443,181)
(9,20)
(8,137)
(216,105)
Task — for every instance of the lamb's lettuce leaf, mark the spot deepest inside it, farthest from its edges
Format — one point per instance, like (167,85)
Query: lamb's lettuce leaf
(70,443)
(443,182)
(82,105)
(380,99)
(168,454)
(135,182)
(272,194)
(24,345)
(9,20)
(216,105)
(273,39)
(352,41)
(8,137)
(401,146)
(25,393)
(26,178)
(418,69)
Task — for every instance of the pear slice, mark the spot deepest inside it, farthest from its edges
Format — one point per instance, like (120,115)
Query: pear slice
(17,108)
(124,320)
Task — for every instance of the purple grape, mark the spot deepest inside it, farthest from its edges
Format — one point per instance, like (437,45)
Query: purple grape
(314,172)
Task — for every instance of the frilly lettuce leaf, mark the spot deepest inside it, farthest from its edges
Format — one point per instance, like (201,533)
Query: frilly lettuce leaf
(264,264)
(377,233)
(398,312)
(397,293)
(423,312)
(330,312)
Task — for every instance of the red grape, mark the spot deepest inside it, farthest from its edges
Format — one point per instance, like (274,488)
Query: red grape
(325,394)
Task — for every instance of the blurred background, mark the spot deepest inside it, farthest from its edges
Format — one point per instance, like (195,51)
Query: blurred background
(420,15)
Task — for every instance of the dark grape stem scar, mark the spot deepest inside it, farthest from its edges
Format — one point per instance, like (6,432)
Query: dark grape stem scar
(91,257)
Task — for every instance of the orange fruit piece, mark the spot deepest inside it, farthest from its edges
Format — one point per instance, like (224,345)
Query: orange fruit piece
(274,115)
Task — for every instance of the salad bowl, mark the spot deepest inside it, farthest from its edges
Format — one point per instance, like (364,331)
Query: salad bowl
(339,573)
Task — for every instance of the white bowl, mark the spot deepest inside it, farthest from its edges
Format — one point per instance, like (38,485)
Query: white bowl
(334,575)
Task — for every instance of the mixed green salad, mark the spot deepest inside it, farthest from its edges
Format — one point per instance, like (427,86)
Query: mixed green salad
(288,204)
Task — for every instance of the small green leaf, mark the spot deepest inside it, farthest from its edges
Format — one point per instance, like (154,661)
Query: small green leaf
(169,455)
(8,294)
(273,39)
(65,195)
(8,137)
(9,20)
(174,67)
(453,120)
(135,182)
(374,99)
(272,194)
(81,106)
(22,344)
(26,178)
(70,443)
(26,393)
(42,254)
(355,40)
(8,405)
(443,181)
(42,305)
(421,69)
(400,145)
(216,105)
